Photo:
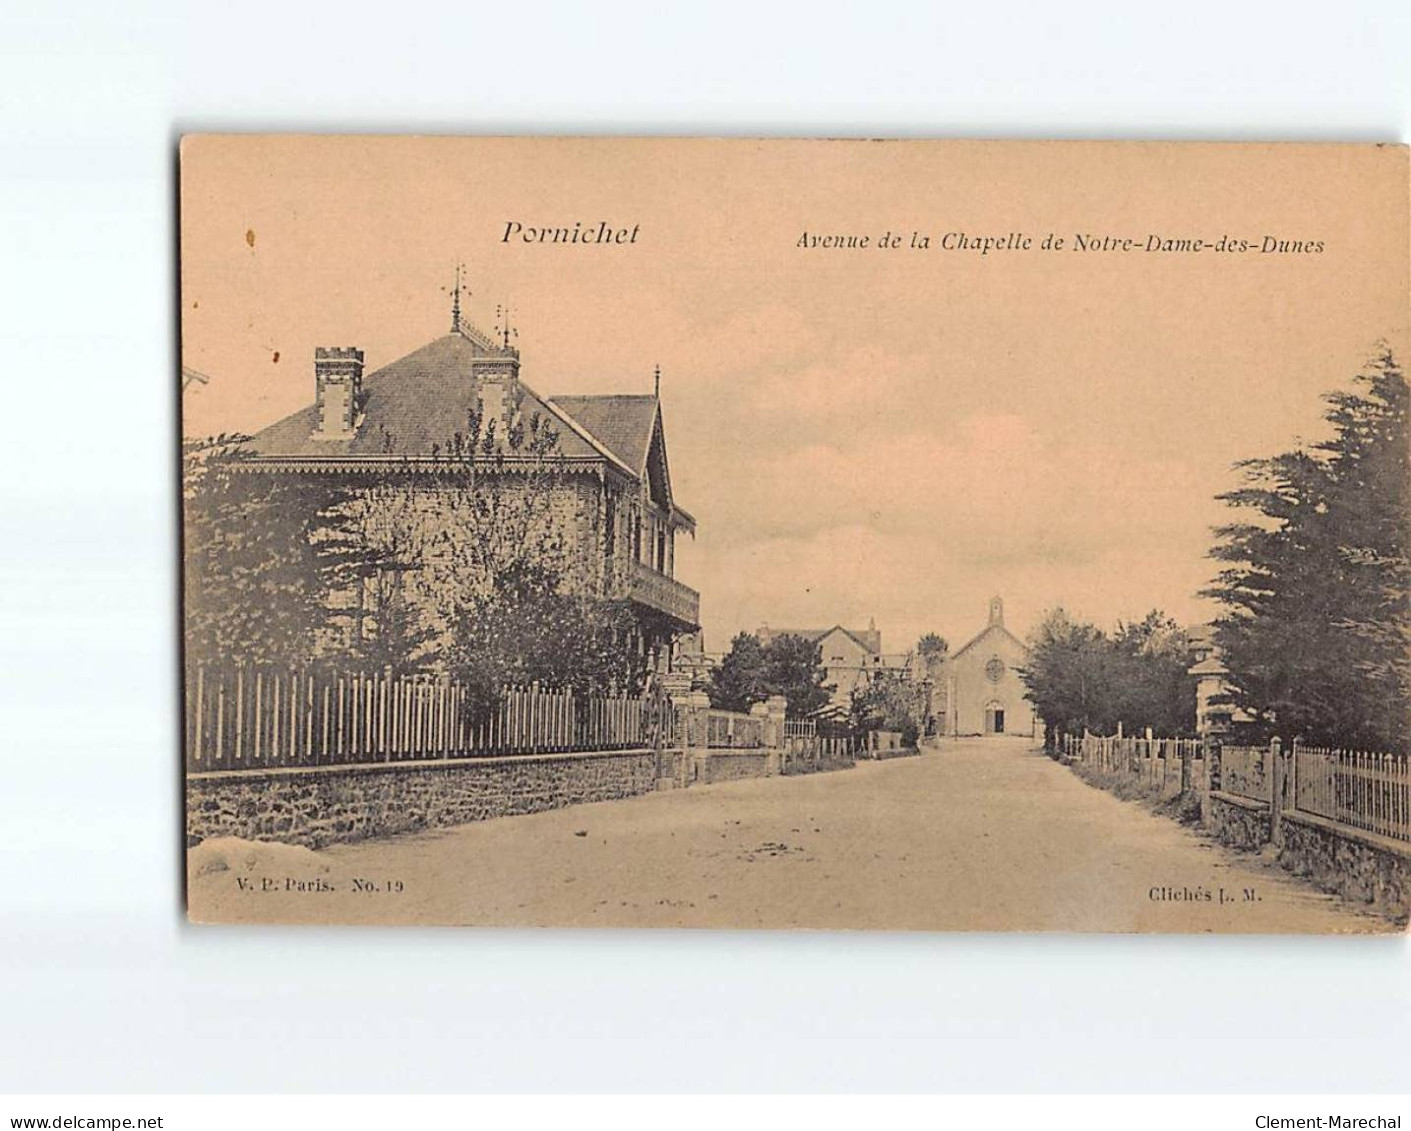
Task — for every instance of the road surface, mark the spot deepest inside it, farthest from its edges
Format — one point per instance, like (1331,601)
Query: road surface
(982,835)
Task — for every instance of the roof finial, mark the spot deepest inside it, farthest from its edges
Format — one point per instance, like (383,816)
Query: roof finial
(456,303)
(656,381)
(507,326)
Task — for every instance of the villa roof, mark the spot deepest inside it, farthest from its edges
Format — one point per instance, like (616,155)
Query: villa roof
(869,639)
(623,423)
(412,407)
(416,405)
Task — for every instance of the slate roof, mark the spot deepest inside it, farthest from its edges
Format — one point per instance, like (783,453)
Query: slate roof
(623,423)
(869,640)
(422,400)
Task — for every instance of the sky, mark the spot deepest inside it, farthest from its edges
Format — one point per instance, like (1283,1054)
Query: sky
(882,432)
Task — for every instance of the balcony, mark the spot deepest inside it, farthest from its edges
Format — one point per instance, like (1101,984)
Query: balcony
(664,594)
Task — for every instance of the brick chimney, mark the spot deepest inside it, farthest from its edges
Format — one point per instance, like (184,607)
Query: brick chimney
(497,381)
(338,373)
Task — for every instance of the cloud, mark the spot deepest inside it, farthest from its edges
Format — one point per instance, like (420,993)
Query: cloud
(918,527)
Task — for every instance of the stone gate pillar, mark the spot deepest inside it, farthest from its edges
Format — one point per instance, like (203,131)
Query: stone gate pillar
(772,713)
(695,736)
(1276,792)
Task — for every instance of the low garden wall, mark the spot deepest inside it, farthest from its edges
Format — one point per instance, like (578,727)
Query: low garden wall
(883,755)
(320,805)
(820,765)
(315,806)
(1359,866)
(710,766)
(1236,821)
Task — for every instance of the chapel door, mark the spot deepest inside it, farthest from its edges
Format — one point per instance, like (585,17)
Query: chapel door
(994,718)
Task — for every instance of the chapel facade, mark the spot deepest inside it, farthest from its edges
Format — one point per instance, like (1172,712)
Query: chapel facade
(984,694)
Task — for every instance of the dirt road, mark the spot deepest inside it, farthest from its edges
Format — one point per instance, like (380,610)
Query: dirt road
(984,834)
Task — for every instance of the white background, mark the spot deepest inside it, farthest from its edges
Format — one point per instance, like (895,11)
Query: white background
(103,986)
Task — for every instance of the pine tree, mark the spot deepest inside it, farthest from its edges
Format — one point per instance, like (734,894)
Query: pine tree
(1317,623)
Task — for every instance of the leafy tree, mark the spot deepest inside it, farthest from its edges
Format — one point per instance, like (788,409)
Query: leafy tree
(793,668)
(1150,668)
(425,548)
(465,567)
(1079,678)
(1068,675)
(933,649)
(372,545)
(1317,585)
(529,630)
(462,567)
(739,680)
(886,701)
(255,584)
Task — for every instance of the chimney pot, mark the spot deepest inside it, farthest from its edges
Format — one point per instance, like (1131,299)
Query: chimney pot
(338,378)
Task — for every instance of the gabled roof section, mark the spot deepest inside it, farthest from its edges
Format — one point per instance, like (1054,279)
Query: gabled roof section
(630,427)
(658,474)
(624,424)
(413,407)
(1211,665)
(989,630)
(869,640)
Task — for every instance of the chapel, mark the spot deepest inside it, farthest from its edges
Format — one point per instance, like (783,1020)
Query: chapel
(984,694)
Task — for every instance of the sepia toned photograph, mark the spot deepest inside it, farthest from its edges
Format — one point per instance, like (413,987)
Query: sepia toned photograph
(850,535)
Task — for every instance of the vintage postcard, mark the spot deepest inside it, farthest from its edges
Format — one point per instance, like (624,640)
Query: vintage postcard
(771,533)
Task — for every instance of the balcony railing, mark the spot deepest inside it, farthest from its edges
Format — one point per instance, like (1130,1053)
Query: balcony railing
(665,594)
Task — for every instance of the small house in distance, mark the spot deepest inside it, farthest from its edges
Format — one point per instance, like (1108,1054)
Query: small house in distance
(1214,712)
(850,657)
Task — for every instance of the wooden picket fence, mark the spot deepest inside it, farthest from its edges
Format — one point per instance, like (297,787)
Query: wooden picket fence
(1154,762)
(1353,787)
(1356,788)
(258,717)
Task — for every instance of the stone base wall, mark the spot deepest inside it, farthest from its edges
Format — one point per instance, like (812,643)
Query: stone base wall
(712,766)
(324,805)
(884,755)
(1360,867)
(820,766)
(317,806)
(1236,821)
